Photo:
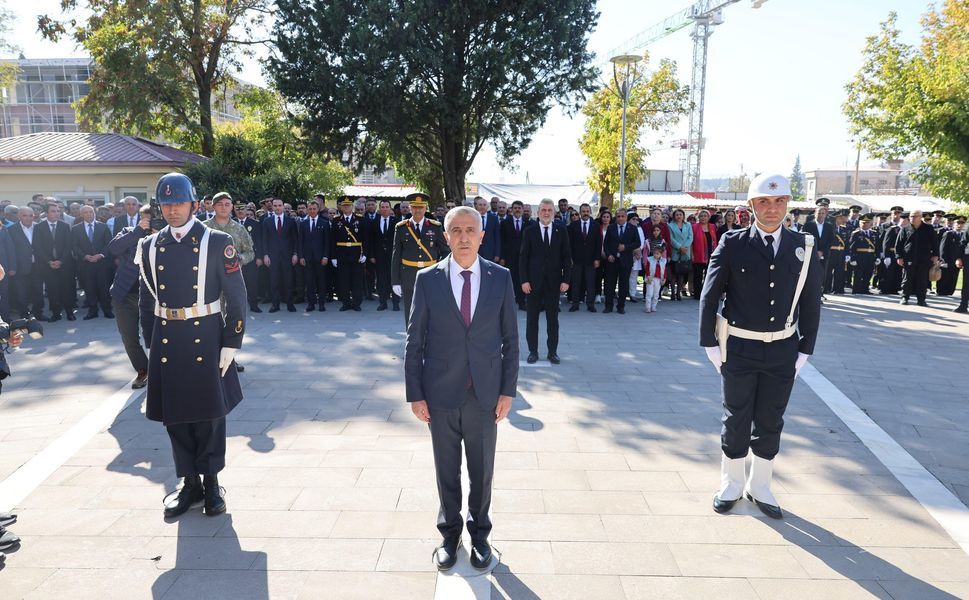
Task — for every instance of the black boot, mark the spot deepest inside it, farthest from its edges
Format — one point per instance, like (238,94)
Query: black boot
(214,504)
(190,495)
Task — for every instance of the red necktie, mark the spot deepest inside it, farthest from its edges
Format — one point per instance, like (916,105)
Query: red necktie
(466,298)
(657,274)
(279,225)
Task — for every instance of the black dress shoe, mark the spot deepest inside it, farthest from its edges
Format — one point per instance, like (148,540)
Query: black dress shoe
(322,307)
(344,308)
(55,318)
(396,308)
(621,310)
(554,359)
(71,317)
(240,368)
(255,308)
(480,555)
(42,317)
(310,308)
(607,310)
(722,506)
(90,316)
(532,358)
(921,303)
(109,315)
(770,510)
(574,308)
(591,308)
(140,381)
(446,554)
(291,307)
(214,504)
(961,309)
(190,495)
(274,309)
(382,306)
(903,301)
(357,308)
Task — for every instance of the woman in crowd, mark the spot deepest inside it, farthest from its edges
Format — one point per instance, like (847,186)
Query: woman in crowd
(704,241)
(681,240)
(729,223)
(605,218)
(639,258)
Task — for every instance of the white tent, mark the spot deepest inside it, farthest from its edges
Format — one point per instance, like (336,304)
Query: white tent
(885,203)
(684,200)
(533,194)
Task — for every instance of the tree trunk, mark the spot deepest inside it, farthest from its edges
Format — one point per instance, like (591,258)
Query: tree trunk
(205,118)
(453,168)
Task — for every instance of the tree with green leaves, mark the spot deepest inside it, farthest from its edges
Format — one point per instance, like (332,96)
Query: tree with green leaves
(797,180)
(8,70)
(264,155)
(914,101)
(656,101)
(157,65)
(428,79)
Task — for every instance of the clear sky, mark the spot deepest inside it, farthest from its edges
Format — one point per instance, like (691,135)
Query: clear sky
(775,83)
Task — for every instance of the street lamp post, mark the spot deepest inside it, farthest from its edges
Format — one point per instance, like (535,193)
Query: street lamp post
(626,60)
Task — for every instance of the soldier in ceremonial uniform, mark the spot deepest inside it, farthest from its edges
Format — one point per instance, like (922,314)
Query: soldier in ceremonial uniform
(834,281)
(963,263)
(418,243)
(949,251)
(250,270)
(892,281)
(765,332)
(350,246)
(863,252)
(193,316)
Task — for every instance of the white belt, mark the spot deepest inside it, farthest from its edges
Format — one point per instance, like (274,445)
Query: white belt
(762,336)
(191,312)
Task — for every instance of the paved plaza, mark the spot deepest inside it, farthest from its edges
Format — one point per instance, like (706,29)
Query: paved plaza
(604,479)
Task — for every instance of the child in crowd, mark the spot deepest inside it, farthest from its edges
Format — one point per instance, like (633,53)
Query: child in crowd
(655,270)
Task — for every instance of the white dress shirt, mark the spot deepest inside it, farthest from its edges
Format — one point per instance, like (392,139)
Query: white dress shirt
(179,233)
(457,282)
(777,236)
(29,232)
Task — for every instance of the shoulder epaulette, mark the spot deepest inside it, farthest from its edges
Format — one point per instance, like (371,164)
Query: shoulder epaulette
(433,222)
(402,223)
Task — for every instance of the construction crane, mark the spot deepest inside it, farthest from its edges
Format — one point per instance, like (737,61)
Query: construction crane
(704,15)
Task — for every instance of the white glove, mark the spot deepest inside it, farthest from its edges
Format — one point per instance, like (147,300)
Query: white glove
(847,259)
(713,353)
(888,261)
(333,262)
(225,359)
(802,359)
(363,259)
(854,263)
(399,291)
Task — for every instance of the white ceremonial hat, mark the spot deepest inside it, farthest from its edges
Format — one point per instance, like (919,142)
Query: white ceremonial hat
(766,184)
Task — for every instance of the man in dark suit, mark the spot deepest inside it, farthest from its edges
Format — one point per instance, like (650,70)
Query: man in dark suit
(8,260)
(129,218)
(490,248)
(94,268)
(369,275)
(279,236)
(585,240)
(512,230)
(767,329)
(314,254)
(461,374)
(250,270)
(823,231)
(917,249)
(26,284)
(124,293)
(382,230)
(546,270)
(53,249)
(621,239)
(563,216)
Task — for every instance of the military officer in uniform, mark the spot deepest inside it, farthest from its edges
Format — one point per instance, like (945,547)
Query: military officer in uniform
(250,270)
(863,252)
(963,263)
(891,283)
(771,278)
(193,316)
(418,243)
(349,252)
(834,281)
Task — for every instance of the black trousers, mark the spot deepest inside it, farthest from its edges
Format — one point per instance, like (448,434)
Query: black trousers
(350,282)
(543,296)
(126,317)
(834,276)
(5,300)
(964,297)
(861,279)
(369,278)
(892,281)
(516,280)
(757,382)
(699,274)
(476,427)
(281,280)
(382,274)
(315,275)
(27,293)
(947,285)
(95,280)
(915,282)
(250,274)
(262,276)
(61,288)
(616,272)
(198,448)
(583,284)
(299,283)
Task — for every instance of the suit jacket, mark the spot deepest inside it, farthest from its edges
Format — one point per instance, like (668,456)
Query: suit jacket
(759,294)
(8,252)
(382,244)
(491,244)
(442,354)
(23,249)
(546,265)
(119,223)
(59,248)
(630,240)
(279,246)
(511,240)
(83,246)
(585,250)
(254,228)
(123,247)
(824,240)
(314,245)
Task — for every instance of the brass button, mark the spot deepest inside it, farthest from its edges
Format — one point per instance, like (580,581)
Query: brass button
(196,323)
(162,249)
(742,270)
(772,267)
(198,359)
(772,318)
(195,250)
(198,341)
(772,284)
(161,267)
(772,303)
(164,340)
(164,360)
(195,304)
(161,286)
(195,268)
(164,322)
(164,305)
(195,287)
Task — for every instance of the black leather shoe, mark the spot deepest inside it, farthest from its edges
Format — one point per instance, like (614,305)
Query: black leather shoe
(357,308)
(722,506)
(532,358)
(55,317)
(554,359)
(190,495)
(382,306)
(214,504)
(291,307)
(480,555)
(961,309)
(574,308)
(396,308)
(310,308)
(42,317)
(446,554)
(140,381)
(607,310)
(274,309)
(239,368)
(70,316)
(921,303)
(109,315)
(90,316)
(621,310)
(255,308)
(591,308)
(903,301)
(770,510)
(344,308)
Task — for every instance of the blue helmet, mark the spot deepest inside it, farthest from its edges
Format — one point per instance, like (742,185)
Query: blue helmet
(175,188)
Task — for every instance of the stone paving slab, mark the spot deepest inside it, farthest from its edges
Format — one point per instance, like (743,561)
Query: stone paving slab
(605,469)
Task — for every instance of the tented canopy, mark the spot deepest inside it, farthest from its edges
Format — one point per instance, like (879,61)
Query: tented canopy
(533,194)
(885,203)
